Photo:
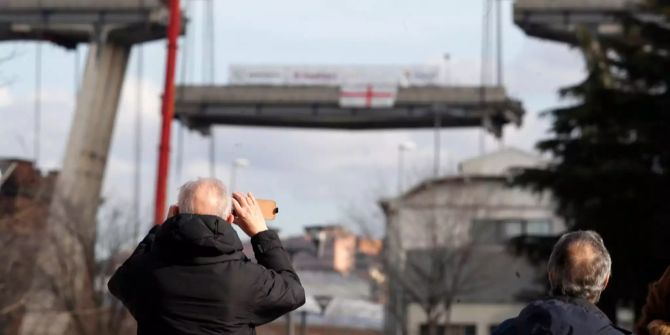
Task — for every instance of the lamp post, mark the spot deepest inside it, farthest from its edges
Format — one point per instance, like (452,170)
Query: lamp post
(445,69)
(237,163)
(402,147)
(323,301)
(290,329)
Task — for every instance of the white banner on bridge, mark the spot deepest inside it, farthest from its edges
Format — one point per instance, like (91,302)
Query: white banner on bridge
(368,96)
(403,76)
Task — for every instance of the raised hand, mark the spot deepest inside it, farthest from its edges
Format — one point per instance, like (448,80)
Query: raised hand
(248,214)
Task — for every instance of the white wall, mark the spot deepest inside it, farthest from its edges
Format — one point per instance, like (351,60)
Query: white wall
(457,204)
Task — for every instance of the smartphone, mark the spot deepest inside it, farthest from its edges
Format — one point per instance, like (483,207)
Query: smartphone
(269,208)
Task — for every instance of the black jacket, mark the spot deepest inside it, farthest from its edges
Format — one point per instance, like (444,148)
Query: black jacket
(560,316)
(189,276)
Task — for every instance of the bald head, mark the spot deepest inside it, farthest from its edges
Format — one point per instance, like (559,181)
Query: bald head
(206,196)
(579,266)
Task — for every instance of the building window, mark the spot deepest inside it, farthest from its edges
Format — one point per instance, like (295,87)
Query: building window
(454,329)
(539,227)
(512,228)
(495,231)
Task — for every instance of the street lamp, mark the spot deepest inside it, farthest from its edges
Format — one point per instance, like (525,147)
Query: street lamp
(237,163)
(445,69)
(402,147)
(323,301)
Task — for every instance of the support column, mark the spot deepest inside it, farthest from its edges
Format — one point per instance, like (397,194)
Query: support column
(80,179)
(63,285)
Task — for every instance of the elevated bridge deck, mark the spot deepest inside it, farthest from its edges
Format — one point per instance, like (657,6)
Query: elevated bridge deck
(199,107)
(70,22)
(558,20)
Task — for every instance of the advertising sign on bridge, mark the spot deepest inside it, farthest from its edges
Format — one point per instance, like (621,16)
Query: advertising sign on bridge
(402,76)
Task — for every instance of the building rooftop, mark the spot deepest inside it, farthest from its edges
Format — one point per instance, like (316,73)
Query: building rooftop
(335,284)
(350,305)
(344,312)
(499,163)
(497,166)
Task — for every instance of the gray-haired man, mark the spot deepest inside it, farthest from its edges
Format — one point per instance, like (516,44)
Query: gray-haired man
(579,269)
(189,275)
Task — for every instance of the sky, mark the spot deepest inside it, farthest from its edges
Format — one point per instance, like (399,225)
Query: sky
(316,176)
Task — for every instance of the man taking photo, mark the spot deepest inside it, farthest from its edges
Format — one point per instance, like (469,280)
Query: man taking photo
(189,275)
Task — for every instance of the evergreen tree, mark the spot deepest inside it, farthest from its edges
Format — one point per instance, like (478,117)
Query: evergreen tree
(610,170)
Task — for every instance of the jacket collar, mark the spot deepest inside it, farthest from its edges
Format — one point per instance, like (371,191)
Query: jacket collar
(591,309)
(197,239)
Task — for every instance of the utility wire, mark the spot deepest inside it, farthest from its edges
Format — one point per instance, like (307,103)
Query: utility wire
(499,43)
(209,51)
(186,50)
(38,102)
(212,42)
(212,154)
(76,74)
(485,53)
(137,194)
(484,69)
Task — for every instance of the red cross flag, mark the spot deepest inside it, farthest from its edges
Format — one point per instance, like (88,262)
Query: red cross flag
(368,96)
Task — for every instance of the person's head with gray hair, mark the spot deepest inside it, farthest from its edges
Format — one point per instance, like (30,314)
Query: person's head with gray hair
(579,266)
(206,196)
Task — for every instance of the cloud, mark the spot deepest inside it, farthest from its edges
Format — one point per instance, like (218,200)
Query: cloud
(119,180)
(535,74)
(5,97)
(540,68)
(19,134)
(314,174)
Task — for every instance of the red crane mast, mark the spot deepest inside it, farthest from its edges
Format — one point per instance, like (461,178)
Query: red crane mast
(167,111)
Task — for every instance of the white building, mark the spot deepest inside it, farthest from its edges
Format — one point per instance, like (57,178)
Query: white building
(470,216)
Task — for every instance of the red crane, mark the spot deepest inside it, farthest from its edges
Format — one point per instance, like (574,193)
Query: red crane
(167,111)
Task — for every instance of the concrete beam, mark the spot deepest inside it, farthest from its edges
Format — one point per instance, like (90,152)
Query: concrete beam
(200,107)
(80,4)
(575,5)
(70,22)
(559,20)
(455,95)
(66,255)
(91,131)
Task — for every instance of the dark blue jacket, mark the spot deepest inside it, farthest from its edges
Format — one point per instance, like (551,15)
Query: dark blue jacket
(560,316)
